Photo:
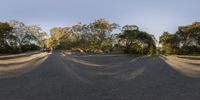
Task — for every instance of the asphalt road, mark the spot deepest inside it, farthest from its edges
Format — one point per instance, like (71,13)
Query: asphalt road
(100,77)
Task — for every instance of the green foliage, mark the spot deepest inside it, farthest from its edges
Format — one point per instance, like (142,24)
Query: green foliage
(5,36)
(16,37)
(51,43)
(185,41)
(137,42)
(170,43)
(93,37)
(96,37)
(41,40)
(190,50)
(29,47)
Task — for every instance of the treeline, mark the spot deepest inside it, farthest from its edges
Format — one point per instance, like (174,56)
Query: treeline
(16,37)
(185,41)
(98,37)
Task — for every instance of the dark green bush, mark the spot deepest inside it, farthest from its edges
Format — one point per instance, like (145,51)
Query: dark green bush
(29,47)
(190,50)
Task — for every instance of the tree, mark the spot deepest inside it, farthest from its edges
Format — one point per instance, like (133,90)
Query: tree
(65,37)
(170,43)
(189,38)
(102,28)
(20,32)
(68,39)
(83,36)
(5,37)
(50,43)
(41,37)
(25,34)
(136,41)
(185,41)
(190,34)
(97,37)
(56,33)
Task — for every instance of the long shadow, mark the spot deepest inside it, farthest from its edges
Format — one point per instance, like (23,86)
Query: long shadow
(83,72)
(191,58)
(185,70)
(194,64)
(74,74)
(15,71)
(19,63)
(20,55)
(104,66)
(99,55)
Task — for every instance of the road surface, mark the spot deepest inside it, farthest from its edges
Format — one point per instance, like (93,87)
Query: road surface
(101,77)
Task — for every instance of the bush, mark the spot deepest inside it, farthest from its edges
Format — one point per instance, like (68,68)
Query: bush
(29,47)
(190,50)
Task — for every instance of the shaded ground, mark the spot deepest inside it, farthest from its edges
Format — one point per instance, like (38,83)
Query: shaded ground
(14,65)
(186,65)
(102,77)
(12,56)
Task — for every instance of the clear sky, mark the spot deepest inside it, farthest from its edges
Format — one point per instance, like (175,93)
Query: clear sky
(153,16)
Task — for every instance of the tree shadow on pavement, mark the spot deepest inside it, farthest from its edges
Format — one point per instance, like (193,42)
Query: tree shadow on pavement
(190,58)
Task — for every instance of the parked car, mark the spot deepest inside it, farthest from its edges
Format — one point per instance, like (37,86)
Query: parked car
(45,50)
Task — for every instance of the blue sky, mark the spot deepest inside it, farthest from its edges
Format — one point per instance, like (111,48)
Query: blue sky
(153,16)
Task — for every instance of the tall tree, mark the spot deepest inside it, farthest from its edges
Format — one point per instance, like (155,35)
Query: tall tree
(136,41)
(102,28)
(170,43)
(41,37)
(190,34)
(5,36)
(25,34)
